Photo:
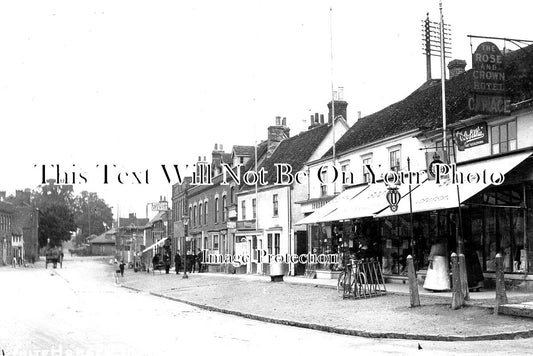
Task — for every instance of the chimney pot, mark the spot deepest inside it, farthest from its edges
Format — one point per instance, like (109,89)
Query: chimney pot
(205,159)
(341,93)
(222,149)
(199,158)
(278,120)
(321,118)
(284,121)
(216,146)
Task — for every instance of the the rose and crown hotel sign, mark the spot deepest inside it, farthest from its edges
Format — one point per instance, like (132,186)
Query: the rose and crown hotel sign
(488,89)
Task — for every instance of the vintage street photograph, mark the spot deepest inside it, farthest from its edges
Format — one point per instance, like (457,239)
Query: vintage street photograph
(266,177)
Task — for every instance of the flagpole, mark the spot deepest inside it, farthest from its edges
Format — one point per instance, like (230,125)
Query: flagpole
(332,93)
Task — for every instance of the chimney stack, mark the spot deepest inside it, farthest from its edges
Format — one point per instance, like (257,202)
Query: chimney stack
(456,67)
(340,110)
(276,134)
(2,195)
(316,119)
(216,158)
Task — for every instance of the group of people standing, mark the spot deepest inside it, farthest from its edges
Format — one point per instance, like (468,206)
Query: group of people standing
(193,262)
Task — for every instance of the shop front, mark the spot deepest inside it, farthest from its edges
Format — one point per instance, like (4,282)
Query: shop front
(433,220)
(345,227)
(479,220)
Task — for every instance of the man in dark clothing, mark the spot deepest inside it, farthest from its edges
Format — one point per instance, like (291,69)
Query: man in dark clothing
(199,258)
(155,261)
(167,261)
(177,262)
(121,267)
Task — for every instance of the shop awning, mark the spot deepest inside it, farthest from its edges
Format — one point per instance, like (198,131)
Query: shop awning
(155,245)
(320,214)
(368,203)
(430,196)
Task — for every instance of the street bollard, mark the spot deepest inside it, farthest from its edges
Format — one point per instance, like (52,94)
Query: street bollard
(413,285)
(457,294)
(464,277)
(501,296)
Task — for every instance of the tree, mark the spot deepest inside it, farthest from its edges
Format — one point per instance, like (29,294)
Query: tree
(56,224)
(92,215)
(56,217)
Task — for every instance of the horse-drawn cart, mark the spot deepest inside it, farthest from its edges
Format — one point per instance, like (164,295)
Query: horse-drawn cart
(54,255)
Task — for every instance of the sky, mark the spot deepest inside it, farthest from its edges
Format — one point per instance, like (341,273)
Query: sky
(136,84)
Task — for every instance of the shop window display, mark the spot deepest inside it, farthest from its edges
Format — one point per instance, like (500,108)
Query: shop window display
(395,242)
(504,231)
(349,239)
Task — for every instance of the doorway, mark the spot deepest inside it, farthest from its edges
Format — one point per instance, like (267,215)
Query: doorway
(301,249)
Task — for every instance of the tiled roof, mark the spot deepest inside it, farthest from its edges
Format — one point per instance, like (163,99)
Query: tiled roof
(294,151)
(243,150)
(423,110)
(107,237)
(160,216)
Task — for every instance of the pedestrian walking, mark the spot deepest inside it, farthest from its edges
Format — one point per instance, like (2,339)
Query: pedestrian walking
(155,261)
(199,257)
(14,262)
(177,262)
(121,268)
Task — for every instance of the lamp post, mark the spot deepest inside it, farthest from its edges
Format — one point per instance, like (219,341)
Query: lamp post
(186,231)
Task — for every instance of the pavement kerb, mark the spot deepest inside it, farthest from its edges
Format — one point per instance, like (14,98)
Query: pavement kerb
(345,331)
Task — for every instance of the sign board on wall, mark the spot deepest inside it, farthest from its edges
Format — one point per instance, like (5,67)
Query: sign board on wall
(488,94)
(161,206)
(472,136)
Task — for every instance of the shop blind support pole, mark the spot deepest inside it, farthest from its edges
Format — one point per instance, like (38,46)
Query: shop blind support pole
(411,228)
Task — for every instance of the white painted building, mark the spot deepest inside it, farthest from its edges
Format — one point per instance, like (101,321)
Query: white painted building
(266,216)
(477,218)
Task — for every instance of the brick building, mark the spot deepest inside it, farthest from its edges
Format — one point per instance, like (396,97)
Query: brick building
(211,224)
(6,223)
(26,222)
(129,232)
(19,228)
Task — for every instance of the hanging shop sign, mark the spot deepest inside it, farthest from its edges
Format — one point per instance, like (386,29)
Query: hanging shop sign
(488,90)
(393,198)
(471,136)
